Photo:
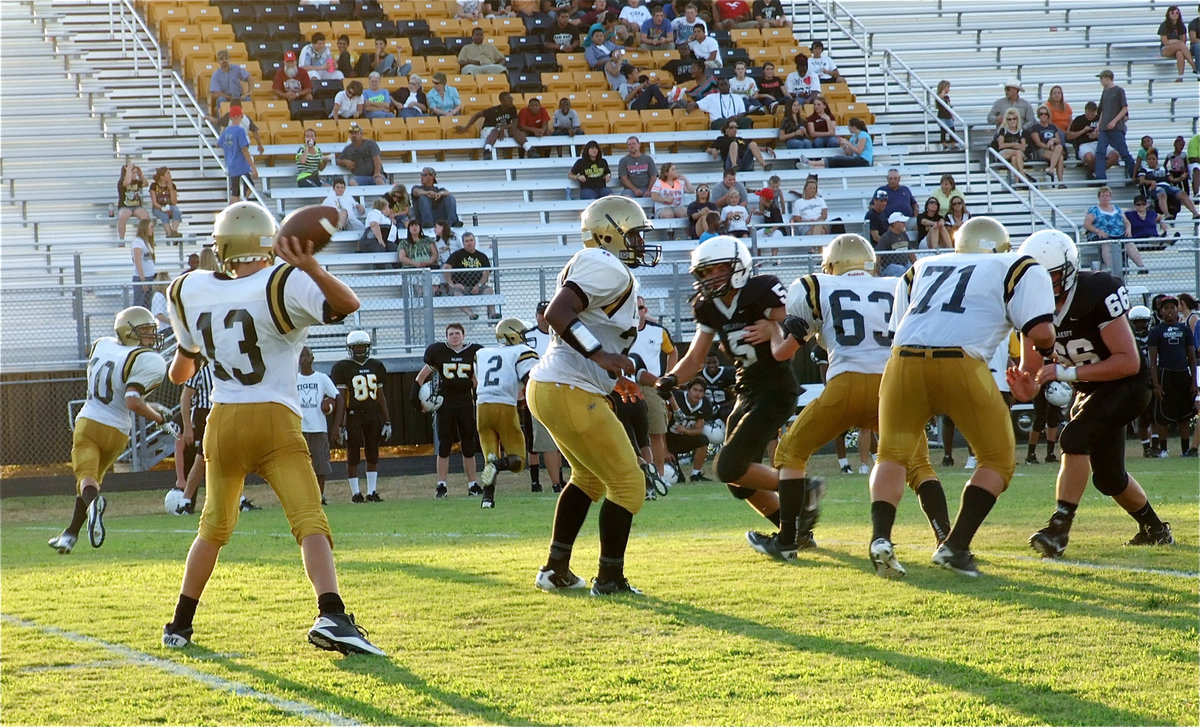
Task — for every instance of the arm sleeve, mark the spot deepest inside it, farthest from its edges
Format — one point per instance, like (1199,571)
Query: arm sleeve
(803,301)
(303,300)
(1029,295)
(148,371)
(175,311)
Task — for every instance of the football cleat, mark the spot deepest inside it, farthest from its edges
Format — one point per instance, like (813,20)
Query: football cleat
(474,490)
(64,543)
(883,555)
(1163,454)
(805,540)
(95,521)
(1191,452)
(947,461)
(487,503)
(535,487)
(959,561)
(246,505)
(176,638)
(614,588)
(814,490)
(338,632)
(847,469)
(1031,459)
(487,477)
(557,487)
(864,469)
(1050,458)
(440,493)
(1051,541)
(699,478)
(1158,535)
(549,580)
(650,494)
(374,497)
(770,545)
(970,465)
(358,498)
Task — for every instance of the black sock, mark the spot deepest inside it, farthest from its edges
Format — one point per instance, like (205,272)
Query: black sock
(330,603)
(774,518)
(1067,509)
(615,523)
(933,503)
(78,517)
(535,474)
(883,516)
(1049,448)
(1146,517)
(489,492)
(1184,444)
(976,504)
(569,514)
(185,611)
(89,493)
(1032,450)
(791,501)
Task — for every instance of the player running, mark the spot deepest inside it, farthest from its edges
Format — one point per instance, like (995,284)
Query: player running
(501,372)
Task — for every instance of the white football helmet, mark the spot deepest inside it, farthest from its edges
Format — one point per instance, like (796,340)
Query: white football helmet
(430,400)
(670,473)
(714,252)
(1058,393)
(136,326)
(617,224)
(1056,252)
(1140,318)
(358,343)
(173,501)
(511,332)
(715,431)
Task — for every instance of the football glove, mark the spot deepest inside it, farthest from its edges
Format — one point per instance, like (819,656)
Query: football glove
(386,431)
(665,385)
(162,410)
(795,327)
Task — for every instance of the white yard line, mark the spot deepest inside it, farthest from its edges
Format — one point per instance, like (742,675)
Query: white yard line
(138,658)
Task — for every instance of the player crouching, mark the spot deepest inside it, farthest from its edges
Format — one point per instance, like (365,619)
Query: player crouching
(500,374)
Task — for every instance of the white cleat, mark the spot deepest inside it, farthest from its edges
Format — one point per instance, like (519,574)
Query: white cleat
(883,555)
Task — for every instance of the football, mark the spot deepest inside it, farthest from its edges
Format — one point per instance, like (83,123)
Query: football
(1058,393)
(315,222)
(173,501)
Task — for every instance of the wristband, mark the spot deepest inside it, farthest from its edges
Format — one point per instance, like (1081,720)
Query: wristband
(1066,374)
(1046,352)
(578,337)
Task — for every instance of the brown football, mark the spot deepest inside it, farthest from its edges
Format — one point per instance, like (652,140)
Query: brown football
(315,222)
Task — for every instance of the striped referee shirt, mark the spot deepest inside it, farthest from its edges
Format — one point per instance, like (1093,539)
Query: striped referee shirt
(201,383)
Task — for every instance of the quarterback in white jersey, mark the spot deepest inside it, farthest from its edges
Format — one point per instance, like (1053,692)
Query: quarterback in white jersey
(250,322)
(592,314)
(120,372)
(500,374)
(951,313)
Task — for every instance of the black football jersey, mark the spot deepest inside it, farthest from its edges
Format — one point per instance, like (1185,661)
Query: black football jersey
(454,370)
(718,384)
(686,415)
(362,382)
(1096,300)
(757,369)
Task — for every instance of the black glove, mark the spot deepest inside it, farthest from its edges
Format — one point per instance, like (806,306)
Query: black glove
(795,327)
(414,396)
(665,385)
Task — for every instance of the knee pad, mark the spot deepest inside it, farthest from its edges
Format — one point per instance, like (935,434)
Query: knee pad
(1111,484)
(740,493)
(1074,438)
(728,469)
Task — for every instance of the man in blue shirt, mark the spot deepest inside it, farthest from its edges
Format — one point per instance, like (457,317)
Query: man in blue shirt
(226,83)
(235,142)
(899,197)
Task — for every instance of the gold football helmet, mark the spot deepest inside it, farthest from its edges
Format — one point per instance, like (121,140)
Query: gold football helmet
(847,252)
(243,232)
(511,332)
(617,224)
(136,326)
(981,234)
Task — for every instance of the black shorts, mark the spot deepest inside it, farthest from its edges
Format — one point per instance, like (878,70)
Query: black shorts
(755,420)
(635,417)
(1097,424)
(1177,402)
(685,443)
(455,422)
(362,431)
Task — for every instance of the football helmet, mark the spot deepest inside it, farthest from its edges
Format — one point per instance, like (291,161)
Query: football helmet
(1140,318)
(429,398)
(243,232)
(358,343)
(173,502)
(617,224)
(845,253)
(981,234)
(715,431)
(714,252)
(511,332)
(136,326)
(1056,252)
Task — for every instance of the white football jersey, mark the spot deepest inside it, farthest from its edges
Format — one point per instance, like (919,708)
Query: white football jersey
(850,315)
(251,329)
(970,301)
(312,390)
(610,313)
(114,368)
(500,371)
(653,343)
(541,341)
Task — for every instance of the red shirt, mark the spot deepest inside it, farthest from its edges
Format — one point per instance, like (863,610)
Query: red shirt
(732,9)
(525,117)
(299,83)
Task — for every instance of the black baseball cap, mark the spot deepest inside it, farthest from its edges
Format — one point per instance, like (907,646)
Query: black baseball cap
(542,306)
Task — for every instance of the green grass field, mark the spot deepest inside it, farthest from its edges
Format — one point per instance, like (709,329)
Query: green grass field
(722,636)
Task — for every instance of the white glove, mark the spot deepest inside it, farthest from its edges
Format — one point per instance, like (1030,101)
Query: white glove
(386,431)
(168,428)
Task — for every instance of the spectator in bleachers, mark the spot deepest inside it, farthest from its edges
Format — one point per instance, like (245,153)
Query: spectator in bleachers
(1176,164)
(712,226)
(534,120)
(1158,184)
(243,120)
(1114,110)
(317,59)
(793,129)
(600,51)
(931,227)
(1009,141)
(769,14)
(566,121)
(770,89)
(562,36)
(235,144)
(822,129)
(348,208)
(377,102)
(309,161)
(703,84)
(667,193)
(497,9)
(1173,37)
(734,151)
(632,17)
(499,122)
(478,57)
(348,103)
(412,101)
(193,263)
(592,173)
(416,250)
(857,149)
(657,32)
(685,25)
(636,171)
(1083,133)
(729,183)
(164,201)
(735,218)
(443,100)
(1144,220)
(400,204)
(891,263)
(292,82)
(803,82)
(810,210)
(158,302)
(734,14)
(699,210)
(822,64)
(382,61)
(876,217)
(945,115)
(723,107)
(1046,143)
(769,213)
(704,47)
(347,61)
(444,239)
(432,202)
(745,86)
(1060,112)
(378,229)
(638,91)
(142,252)
(1105,221)
(469,9)
(594,15)
(1193,28)
(957,215)
(1146,145)
(469,283)
(361,158)
(226,83)
(947,190)
(1011,100)
(208,258)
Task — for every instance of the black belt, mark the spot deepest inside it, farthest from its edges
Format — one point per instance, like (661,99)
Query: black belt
(930,352)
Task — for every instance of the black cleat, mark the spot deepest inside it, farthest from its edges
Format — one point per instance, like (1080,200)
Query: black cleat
(324,502)
(699,478)
(374,497)
(1050,458)
(358,498)
(614,588)
(247,505)
(1190,452)
(1031,459)
(959,561)
(535,487)
(557,487)
(474,490)
(440,493)
(176,638)
(847,469)
(805,540)
(1158,535)
(770,545)
(549,580)
(1050,541)
(338,632)
(947,461)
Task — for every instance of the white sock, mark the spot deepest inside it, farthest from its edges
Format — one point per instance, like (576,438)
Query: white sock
(472,483)
(487,148)
(527,146)
(371,477)
(695,472)
(442,483)
(354,485)
(842,462)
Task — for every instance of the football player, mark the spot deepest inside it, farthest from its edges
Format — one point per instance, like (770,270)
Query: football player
(690,411)
(501,374)
(728,301)
(1171,353)
(851,309)
(454,364)
(1140,319)
(593,314)
(120,372)
(718,381)
(542,449)
(951,313)
(250,322)
(361,413)
(1096,353)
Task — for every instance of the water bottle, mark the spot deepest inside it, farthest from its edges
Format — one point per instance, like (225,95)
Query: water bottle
(112,209)
(474,219)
